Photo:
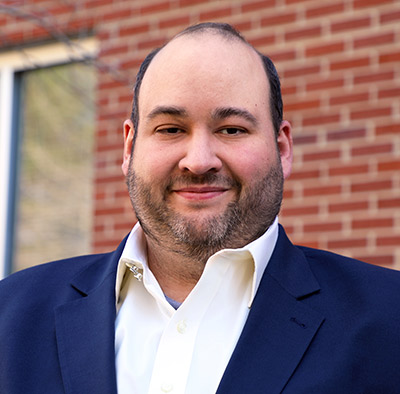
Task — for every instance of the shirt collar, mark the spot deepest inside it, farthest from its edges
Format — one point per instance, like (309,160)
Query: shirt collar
(135,251)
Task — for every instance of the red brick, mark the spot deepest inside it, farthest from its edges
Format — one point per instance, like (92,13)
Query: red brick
(173,22)
(375,40)
(388,241)
(113,50)
(304,139)
(281,56)
(371,149)
(389,203)
(348,206)
(131,63)
(387,93)
(188,3)
(370,113)
(325,49)
(325,10)
(109,85)
(392,128)
(303,33)
(346,134)
(347,243)
(263,40)
(370,3)
(288,90)
(325,84)
(322,155)
(300,211)
(390,16)
(278,19)
(374,77)
(371,223)
(386,260)
(322,227)
(151,43)
(154,8)
(134,29)
(96,3)
(295,1)
(349,170)
(350,63)
(349,98)
(321,119)
(257,5)
(243,26)
(371,186)
(301,71)
(302,104)
(392,57)
(61,9)
(287,194)
(215,14)
(322,190)
(300,175)
(350,24)
(393,166)
(117,15)
(109,179)
(109,211)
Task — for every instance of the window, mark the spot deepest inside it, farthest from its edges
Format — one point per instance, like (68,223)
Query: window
(48,130)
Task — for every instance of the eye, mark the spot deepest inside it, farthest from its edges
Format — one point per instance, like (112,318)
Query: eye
(232,131)
(169,130)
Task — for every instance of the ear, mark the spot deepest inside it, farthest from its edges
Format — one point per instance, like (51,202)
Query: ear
(128,141)
(285,146)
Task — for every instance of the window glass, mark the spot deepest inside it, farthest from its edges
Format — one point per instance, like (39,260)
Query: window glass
(54,194)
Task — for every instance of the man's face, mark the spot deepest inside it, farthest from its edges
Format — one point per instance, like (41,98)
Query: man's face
(207,170)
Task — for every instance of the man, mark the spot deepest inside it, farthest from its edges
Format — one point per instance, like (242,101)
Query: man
(206,294)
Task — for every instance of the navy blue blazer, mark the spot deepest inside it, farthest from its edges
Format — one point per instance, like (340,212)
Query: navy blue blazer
(320,323)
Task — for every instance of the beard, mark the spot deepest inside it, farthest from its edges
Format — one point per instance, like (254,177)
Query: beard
(244,219)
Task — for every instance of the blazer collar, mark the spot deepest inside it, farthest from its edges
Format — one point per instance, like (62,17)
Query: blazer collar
(85,329)
(279,328)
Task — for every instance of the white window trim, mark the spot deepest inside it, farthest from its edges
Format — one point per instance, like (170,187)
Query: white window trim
(15,61)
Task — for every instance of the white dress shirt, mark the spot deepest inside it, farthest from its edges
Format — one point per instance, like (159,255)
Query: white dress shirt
(162,350)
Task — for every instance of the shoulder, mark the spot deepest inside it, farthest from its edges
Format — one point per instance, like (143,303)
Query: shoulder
(337,267)
(47,283)
(354,285)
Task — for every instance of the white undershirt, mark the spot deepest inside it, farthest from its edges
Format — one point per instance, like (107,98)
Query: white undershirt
(162,350)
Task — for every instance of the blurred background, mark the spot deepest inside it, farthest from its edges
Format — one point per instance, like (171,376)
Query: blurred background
(67,70)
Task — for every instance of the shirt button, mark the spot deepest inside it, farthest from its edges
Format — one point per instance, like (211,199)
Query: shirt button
(181,327)
(167,387)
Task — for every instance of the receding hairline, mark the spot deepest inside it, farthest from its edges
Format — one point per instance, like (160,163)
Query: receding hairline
(221,30)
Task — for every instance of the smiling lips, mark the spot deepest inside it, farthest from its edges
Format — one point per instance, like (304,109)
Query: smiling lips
(200,193)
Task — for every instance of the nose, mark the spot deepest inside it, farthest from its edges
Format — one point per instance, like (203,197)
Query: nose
(200,154)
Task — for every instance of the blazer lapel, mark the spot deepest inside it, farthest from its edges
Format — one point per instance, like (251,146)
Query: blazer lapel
(279,328)
(85,330)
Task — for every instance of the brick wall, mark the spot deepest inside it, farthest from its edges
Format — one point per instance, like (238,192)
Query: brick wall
(340,66)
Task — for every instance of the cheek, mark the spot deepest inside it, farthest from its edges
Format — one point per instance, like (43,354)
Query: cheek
(153,163)
(250,164)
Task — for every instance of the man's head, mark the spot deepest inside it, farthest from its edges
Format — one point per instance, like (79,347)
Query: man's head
(230,33)
(209,160)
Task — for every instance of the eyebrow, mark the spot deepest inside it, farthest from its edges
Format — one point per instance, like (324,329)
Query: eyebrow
(227,112)
(167,110)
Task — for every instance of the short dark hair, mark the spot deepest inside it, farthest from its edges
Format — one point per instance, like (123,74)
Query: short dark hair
(229,32)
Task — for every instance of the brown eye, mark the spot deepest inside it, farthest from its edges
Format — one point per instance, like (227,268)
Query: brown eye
(170,130)
(231,131)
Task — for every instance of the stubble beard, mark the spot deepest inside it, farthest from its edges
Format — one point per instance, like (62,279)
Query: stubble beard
(245,218)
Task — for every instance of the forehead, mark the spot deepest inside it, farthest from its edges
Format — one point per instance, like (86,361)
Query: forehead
(205,66)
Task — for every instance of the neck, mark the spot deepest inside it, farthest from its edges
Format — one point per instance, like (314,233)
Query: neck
(176,273)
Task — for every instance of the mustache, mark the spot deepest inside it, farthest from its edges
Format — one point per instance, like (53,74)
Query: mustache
(208,179)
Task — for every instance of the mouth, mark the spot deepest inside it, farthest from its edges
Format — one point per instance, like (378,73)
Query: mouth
(200,192)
